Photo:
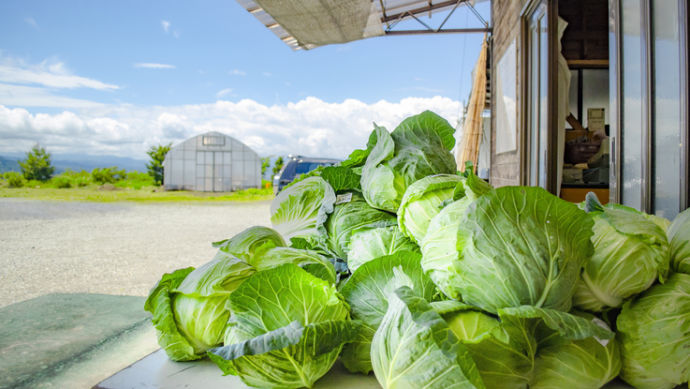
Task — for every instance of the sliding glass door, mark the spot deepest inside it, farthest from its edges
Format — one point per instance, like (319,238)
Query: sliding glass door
(649,46)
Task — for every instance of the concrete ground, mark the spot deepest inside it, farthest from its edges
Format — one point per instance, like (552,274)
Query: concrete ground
(109,248)
(75,276)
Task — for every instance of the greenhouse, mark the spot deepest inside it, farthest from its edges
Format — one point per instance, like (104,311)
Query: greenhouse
(211,162)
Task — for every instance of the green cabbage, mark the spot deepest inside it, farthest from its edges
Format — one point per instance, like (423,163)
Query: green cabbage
(420,146)
(309,260)
(654,334)
(507,350)
(249,242)
(300,210)
(349,216)
(586,363)
(413,347)
(369,243)
(630,252)
(422,201)
(367,291)
(188,306)
(679,236)
(286,330)
(511,246)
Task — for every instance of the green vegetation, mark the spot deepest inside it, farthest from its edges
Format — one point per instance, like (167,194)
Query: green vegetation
(118,186)
(278,165)
(37,164)
(155,166)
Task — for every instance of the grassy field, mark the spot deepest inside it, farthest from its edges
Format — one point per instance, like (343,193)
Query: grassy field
(145,194)
(112,184)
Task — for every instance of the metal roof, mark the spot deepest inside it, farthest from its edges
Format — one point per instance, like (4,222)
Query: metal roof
(306,24)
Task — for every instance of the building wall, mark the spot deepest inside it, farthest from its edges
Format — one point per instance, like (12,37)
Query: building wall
(193,165)
(505,167)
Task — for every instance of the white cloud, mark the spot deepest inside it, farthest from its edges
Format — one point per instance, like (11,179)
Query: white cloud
(30,96)
(223,92)
(31,22)
(237,72)
(151,65)
(308,127)
(49,73)
(166,25)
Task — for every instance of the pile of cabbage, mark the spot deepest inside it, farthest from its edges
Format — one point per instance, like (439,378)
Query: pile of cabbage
(396,263)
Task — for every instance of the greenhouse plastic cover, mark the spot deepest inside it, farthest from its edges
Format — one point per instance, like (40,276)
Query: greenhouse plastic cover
(306,24)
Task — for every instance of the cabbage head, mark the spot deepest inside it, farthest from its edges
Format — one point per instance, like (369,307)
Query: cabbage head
(368,290)
(370,243)
(419,147)
(188,306)
(679,236)
(352,215)
(300,210)
(413,347)
(422,201)
(579,364)
(654,331)
(309,260)
(286,330)
(507,348)
(511,246)
(440,254)
(630,252)
(249,242)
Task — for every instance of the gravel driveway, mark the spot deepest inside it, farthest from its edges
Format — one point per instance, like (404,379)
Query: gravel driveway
(111,248)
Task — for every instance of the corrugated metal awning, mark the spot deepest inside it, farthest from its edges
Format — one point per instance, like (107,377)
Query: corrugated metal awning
(305,24)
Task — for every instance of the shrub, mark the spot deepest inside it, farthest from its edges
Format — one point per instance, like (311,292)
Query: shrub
(14,179)
(108,175)
(62,182)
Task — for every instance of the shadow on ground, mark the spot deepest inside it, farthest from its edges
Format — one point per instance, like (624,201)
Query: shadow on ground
(71,339)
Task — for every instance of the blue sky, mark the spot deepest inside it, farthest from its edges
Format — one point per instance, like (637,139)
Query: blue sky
(119,76)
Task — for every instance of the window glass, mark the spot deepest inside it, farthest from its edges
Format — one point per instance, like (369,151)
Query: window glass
(631,107)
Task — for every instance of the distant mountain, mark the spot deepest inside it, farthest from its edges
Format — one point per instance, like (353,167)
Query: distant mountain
(77,162)
(8,165)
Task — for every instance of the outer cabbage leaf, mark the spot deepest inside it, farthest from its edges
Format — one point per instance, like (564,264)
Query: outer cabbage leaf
(286,330)
(679,236)
(311,261)
(630,252)
(522,246)
(422,201)
(349,216)
(654,332)
(442,245)
(418,147)
(369,243)
(189,306)
(159,304)
(300,210)
(199,301)
(251,241)
(504,350)
(381,187)
(585,363)
(368,290)
(341,178)
(414,348)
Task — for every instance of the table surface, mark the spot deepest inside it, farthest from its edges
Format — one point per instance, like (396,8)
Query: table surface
(157,371)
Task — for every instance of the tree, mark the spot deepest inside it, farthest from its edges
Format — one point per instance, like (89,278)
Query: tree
(37,164)
(278,165)
(155,166)
(265,163)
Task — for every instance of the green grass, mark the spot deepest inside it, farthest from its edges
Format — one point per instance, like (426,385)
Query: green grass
(134,186)
(145,194)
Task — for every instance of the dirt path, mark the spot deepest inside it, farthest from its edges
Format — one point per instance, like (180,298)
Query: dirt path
(111,248)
